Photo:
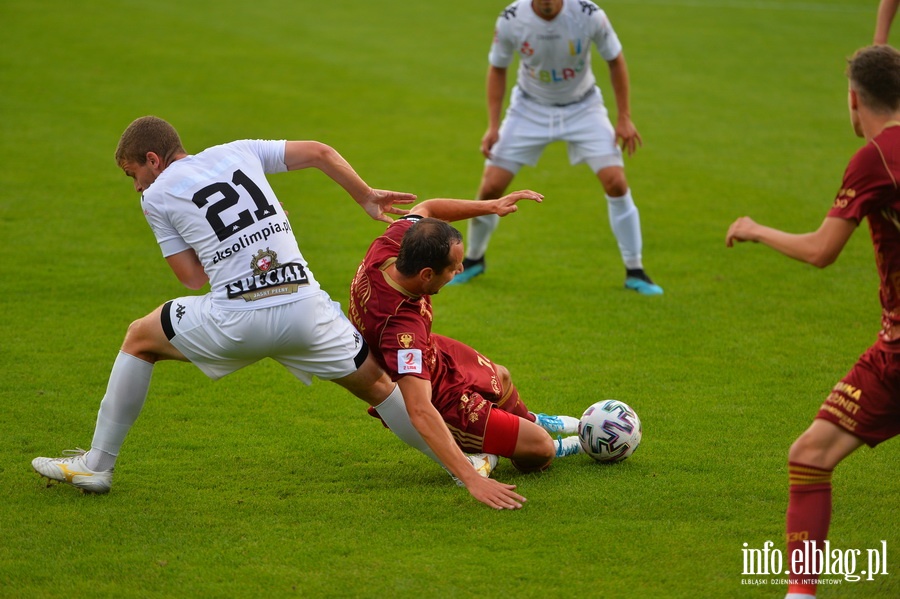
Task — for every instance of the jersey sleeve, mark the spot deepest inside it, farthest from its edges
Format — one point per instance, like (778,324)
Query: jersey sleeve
(404,346)
(270,153)
(863,187)
(170,241)
(503,47)
(604,36)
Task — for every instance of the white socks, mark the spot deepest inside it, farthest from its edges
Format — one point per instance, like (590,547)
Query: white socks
(626,226)
(393,411)
(126,391)
(479,235)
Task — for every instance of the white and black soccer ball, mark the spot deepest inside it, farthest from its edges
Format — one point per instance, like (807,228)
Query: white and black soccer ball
(610,431)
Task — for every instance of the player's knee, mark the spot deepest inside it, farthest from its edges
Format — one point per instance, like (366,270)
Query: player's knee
(135,338)
(614,183)
(489,192)
(547,450)
(504,376)
(807,449)
(493,184)
(535,451)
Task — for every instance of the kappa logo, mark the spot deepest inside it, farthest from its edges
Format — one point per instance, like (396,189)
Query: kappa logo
(509,13)
(589,7)
(180,311)
(406,340)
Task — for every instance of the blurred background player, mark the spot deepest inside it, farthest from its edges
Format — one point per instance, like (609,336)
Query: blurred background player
(556,99)
(217,220)
(450,390)
(886,11)
(864,406)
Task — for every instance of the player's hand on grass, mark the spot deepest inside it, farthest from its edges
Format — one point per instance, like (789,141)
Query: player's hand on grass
(507,204)
(380,202)
(495,494)
(741,230)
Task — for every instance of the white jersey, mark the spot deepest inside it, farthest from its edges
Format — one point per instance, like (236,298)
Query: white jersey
(219,203)
(554,56)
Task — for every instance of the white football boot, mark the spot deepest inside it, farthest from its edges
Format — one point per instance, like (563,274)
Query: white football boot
(484,464)
(73,470)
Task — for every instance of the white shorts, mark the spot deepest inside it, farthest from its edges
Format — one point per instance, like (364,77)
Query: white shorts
(529,127)
(310,337)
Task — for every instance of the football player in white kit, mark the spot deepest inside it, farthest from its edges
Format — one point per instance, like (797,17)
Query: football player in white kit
(217,220)
(556,98)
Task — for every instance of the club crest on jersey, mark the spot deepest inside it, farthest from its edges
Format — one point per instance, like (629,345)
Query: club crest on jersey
(264,261)
(526,49)
(406,340)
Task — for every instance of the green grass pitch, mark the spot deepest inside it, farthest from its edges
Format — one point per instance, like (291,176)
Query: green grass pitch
(256,485)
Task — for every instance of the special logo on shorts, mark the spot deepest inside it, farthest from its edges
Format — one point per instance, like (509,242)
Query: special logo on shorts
(264,261)
(406,340)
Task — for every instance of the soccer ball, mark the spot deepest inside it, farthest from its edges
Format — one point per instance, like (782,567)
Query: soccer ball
(609,431)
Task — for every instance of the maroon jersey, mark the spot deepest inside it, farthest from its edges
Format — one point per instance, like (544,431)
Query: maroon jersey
(870,190)
(395,324)
(465,385)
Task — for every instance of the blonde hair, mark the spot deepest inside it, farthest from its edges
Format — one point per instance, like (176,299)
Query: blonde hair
(148,134)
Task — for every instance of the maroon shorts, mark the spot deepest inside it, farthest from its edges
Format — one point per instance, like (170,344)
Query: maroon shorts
(866,402)
(466,392)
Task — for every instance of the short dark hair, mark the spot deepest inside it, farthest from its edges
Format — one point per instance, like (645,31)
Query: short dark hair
(874,73)
(148,134)
(426,244)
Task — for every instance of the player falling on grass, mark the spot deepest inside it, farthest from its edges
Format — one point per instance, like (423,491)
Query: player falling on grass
(451,391)
(217,220)
(864,407)
(556,99)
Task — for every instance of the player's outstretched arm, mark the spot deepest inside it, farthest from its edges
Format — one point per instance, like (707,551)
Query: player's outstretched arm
(377,203)
(426,419)
(887,9)
(454,210)
(819,248)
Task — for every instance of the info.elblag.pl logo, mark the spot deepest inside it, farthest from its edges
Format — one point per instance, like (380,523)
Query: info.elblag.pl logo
(813,561)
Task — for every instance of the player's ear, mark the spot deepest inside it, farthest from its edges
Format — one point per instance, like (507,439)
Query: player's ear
(852,98)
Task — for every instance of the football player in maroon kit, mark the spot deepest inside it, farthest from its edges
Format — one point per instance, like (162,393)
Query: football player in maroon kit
(864,406)
(450,390)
